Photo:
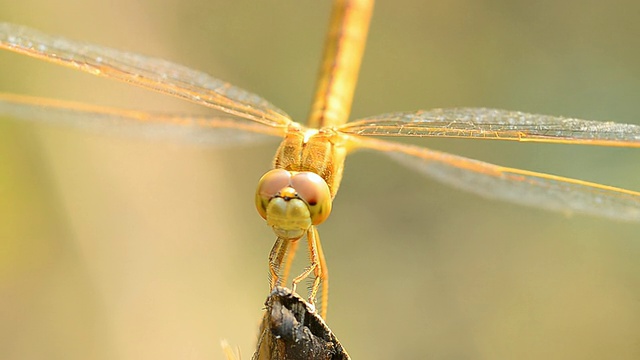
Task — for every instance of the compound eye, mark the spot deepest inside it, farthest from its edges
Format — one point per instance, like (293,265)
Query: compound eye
(312,188)
(268,186)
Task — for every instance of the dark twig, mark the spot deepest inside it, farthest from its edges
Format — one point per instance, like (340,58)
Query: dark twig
(291,329)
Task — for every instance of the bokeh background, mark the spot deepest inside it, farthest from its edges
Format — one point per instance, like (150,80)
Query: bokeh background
(126,248)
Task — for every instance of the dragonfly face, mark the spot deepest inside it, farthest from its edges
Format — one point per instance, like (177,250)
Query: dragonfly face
(292,202)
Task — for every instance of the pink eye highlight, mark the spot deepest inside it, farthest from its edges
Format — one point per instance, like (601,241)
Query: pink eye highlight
(311,188)
(270,185)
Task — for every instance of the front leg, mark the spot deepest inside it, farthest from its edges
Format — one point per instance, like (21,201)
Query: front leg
(291,253)
(315,265)
(276,256)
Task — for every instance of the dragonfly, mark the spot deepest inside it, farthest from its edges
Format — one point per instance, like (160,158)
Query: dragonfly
(296,196)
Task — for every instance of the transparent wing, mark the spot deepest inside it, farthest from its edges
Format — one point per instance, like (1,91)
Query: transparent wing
(154,74)
(518,186)
(199,129)
(481,123)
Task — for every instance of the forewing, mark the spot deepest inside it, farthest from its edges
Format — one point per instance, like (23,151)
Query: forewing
(147,72)
(482,123)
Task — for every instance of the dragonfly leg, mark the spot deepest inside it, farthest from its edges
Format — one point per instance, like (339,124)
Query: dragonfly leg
(276,256)
(291,253)
(324,276)
(313,266)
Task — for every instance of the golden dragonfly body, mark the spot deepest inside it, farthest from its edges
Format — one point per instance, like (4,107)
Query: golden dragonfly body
(328,128)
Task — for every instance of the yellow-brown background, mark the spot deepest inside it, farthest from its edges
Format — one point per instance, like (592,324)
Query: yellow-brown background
(120,248)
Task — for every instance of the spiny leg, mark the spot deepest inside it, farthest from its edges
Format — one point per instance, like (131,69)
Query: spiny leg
(313,266)
(324,277)
(278,251)
(293,246)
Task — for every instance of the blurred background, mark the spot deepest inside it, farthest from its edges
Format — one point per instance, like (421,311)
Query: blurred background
(126,248)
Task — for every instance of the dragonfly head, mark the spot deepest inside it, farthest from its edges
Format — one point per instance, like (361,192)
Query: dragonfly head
(292,202)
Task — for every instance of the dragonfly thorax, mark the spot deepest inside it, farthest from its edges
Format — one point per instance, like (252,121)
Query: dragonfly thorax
(311,150)
(292,202)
